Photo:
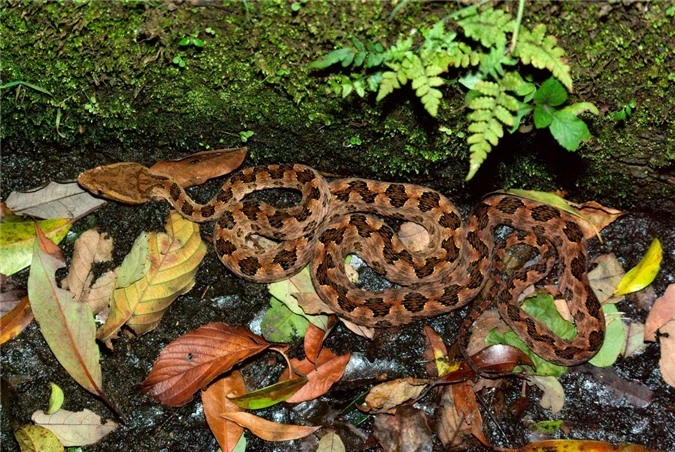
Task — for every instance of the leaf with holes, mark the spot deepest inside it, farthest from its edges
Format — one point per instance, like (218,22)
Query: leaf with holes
(193,360)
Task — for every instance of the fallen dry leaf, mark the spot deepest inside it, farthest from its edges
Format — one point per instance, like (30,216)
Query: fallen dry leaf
(67,326)
(467,407)
(359,330)
(215,402)
(54,201)
(80,428)
(313,342)
(435,354)
(661,313)
(385,397)
(174,261)
(267,430)
(554,394)
(321,379)
(34,438)
(489,320)
(310,303)
(13,322)
(193,360)
(199,167)
(451,427)
(330,442)
(605,277)
(667,360)
(574,445)
(11,293)
(269,395)
(98,295)
(635,340)
(596,217)
(407,430)
(90,247)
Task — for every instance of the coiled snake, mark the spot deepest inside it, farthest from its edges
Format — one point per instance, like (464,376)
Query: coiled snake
(343,217)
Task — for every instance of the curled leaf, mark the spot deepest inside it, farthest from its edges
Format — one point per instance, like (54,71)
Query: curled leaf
(389,395)
(55,399)
(215,401)
(193,360)
(644,272)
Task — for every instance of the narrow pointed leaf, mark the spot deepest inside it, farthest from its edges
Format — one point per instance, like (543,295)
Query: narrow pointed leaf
(193,360)
(14,322)
(270,395)
(267,430)
(644,272)
(67,326)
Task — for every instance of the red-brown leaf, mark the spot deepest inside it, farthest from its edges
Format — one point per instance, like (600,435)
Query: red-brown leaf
(434,352)
(321,379)
(193,360)
(14,322)
(267,430)
(314,337)
(467,407)
(215,403)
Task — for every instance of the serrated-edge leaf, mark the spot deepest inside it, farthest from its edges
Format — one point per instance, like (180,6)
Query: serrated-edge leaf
(533,48)
(644,272)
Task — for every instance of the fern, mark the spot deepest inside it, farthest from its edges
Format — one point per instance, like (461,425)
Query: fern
(492,110)
(489,27)
(541,51)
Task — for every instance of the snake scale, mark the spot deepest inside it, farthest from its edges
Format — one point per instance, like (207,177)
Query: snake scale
(345,216)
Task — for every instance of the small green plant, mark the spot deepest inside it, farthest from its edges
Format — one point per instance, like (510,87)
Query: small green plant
(179,61)
(624,111)
(499,96)
(244,135)
(193,41)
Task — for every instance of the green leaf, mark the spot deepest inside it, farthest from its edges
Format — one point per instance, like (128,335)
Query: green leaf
(523,109)
(543,367)
(388,85)
(135,264)
(17,237)
(183,42)
(542,116)
(581,107)
(489,27)
(344,55)
(542,307)
(568,130)
(270,395)
(615,338)
(644,272)
(551,92)
(55,399)
(301,282)
(280,324)
(26,84)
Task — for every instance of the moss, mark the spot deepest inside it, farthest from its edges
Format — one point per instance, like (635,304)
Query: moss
(251,74)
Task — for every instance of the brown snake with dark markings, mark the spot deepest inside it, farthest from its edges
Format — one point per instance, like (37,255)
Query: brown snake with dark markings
(336,219)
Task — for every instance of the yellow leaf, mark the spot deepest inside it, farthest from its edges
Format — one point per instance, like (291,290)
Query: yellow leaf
(175,258)
(55,399)
(17,237)
(34,438)
(644,272)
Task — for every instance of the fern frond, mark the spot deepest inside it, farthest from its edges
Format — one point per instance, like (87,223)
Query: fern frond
(388,84)
(542,51)
(489,27)
(492,110)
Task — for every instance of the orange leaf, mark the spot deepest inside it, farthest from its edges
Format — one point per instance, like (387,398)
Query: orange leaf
(13,323)
(321,379)
(268,430)
(201,166)
(596,217)
(574,445)
(314,337)
(435,353)
(193,360)
(215,402)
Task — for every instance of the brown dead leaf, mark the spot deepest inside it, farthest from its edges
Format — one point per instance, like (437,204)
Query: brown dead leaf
(311,303)
(215,402)
(605,277)
(631,391)
(80,428)
(435,353)
(98,295)
(479,330)
(667,360)
(597,215)
(90,247)
(331,442)
(201,166)
(407,430)
(385,397)
(193,360)
(313,342)
(467,407)
(54,200)
(635,340)
(13,322)
(661,313)
(451,427)
(267,430)
(359,330)
(321,379)
(11,293)
(554,394)
(414,236)
(565,445)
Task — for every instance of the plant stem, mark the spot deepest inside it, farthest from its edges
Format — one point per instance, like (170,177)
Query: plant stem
(519,18)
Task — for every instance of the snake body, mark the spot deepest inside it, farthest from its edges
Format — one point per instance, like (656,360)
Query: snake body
(342,217)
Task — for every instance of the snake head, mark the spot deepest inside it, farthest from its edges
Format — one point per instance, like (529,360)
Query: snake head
(127,182)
